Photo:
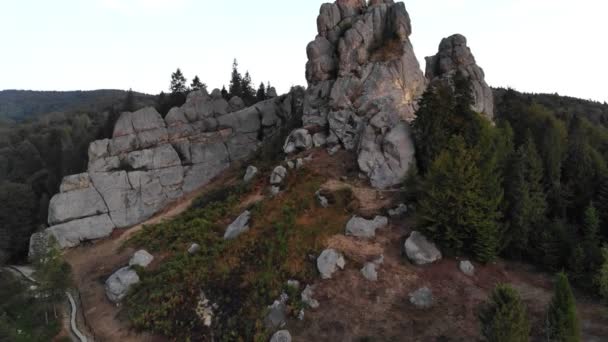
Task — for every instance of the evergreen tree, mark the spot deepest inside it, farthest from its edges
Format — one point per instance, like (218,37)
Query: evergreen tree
(551,245)
(601,277)
(504,318)
(225,93)
(261,93)
(197,84)
(562,318)
(129,103)
(178,82)
(248,91)
(235,88)
(453,209)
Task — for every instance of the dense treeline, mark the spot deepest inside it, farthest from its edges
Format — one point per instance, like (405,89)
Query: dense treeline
(20,105)
(533,186)
(34,156)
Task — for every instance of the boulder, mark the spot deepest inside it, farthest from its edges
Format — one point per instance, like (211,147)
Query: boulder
(398,211)
(299,139)
(277,315)
(281,336)
(236,103)
(71,234)
(76,204)
(204,309)
(453,57)
(323,201)
(251,172)
(75,182)
(278,175)
(422,298)
(194,248)
(467,268)
(369,271)
(238,227)
(141,258)
(360,227)
(319,139)
(118,284)
(307,297)
(420,250)
(329,262)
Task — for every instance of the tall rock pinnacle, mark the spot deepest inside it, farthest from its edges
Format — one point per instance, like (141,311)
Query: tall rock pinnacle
(454,55)
(364,81)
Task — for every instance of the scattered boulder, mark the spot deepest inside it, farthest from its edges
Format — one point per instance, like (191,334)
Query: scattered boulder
(323,201)
(141,258)
(293,284)
(236,103)
(299,163)
(274,190)
(194,248)
(251,172)
(467,268)
(422,298)
(369,271)
(307,297)
(420,250)
(399,211)
(277,314)
(329,262)
(239,226)
(319,139)
(204,309)
(299,139)
(360,227)
(333,150)
(281,336)
(118,284)
(278,175)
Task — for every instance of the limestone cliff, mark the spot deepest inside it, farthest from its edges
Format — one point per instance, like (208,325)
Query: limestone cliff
(364,83)
(455,56)
(151,161)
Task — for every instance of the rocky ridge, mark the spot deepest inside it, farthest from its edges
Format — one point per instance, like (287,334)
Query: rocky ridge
(151,161)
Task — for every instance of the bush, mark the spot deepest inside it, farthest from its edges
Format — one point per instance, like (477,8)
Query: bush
(504,319)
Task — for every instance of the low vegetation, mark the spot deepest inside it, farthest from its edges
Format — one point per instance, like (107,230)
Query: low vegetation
(242,276)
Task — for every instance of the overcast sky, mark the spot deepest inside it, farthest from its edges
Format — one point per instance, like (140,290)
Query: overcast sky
(530,45)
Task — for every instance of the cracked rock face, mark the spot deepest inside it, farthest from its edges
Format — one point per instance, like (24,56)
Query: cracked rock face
(364,82)
(455,56)
(151,161)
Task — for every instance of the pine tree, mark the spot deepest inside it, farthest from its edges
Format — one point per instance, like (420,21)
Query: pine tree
(178,82)
(197,84)
(504,318)
(261,93)
(453,209)
(601,277)
(248,91)
(129,103)
(225,93)
(235,88)
(562,318)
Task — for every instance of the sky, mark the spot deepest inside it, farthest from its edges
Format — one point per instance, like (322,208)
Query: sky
(549,46)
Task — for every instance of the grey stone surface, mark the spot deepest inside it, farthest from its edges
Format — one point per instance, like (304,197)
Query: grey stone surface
(278,175)
(307,297)
(277,315)
(251,172)
(194,248)
(319,139)
(141,258)
(422,298)
(238,227)
(118,284)
(360,227)
(298,140)
(76,204)
(455,56)
(369,271)
(323,201)
(400,210)
(420,250)
(466,267)
(75,182)
(281,336)
(329,262)
(72,233)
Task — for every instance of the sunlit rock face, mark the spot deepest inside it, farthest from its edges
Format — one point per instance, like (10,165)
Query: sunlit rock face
(363,85)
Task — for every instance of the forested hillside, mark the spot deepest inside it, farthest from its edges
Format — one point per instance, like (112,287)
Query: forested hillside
(19,105)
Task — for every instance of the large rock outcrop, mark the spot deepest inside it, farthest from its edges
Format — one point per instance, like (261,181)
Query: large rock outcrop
(455,56)
(364,82)
(151,161)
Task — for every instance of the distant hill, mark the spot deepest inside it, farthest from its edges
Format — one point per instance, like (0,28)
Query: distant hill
(564,107)
(19,105)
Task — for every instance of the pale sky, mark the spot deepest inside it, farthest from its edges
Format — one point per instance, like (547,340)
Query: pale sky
(530,45)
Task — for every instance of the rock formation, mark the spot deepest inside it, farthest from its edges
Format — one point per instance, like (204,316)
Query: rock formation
(151,161)
(455,56)
(364,81)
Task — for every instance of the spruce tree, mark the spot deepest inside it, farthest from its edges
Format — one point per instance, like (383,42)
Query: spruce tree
(197,84)
(129,103)
(248,91)
(261,93)
(504,318)
(601,277)
(225,94)
(235,88)
(562,318)
(178,82)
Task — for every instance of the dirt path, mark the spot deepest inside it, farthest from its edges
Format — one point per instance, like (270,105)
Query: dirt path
(93,263)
